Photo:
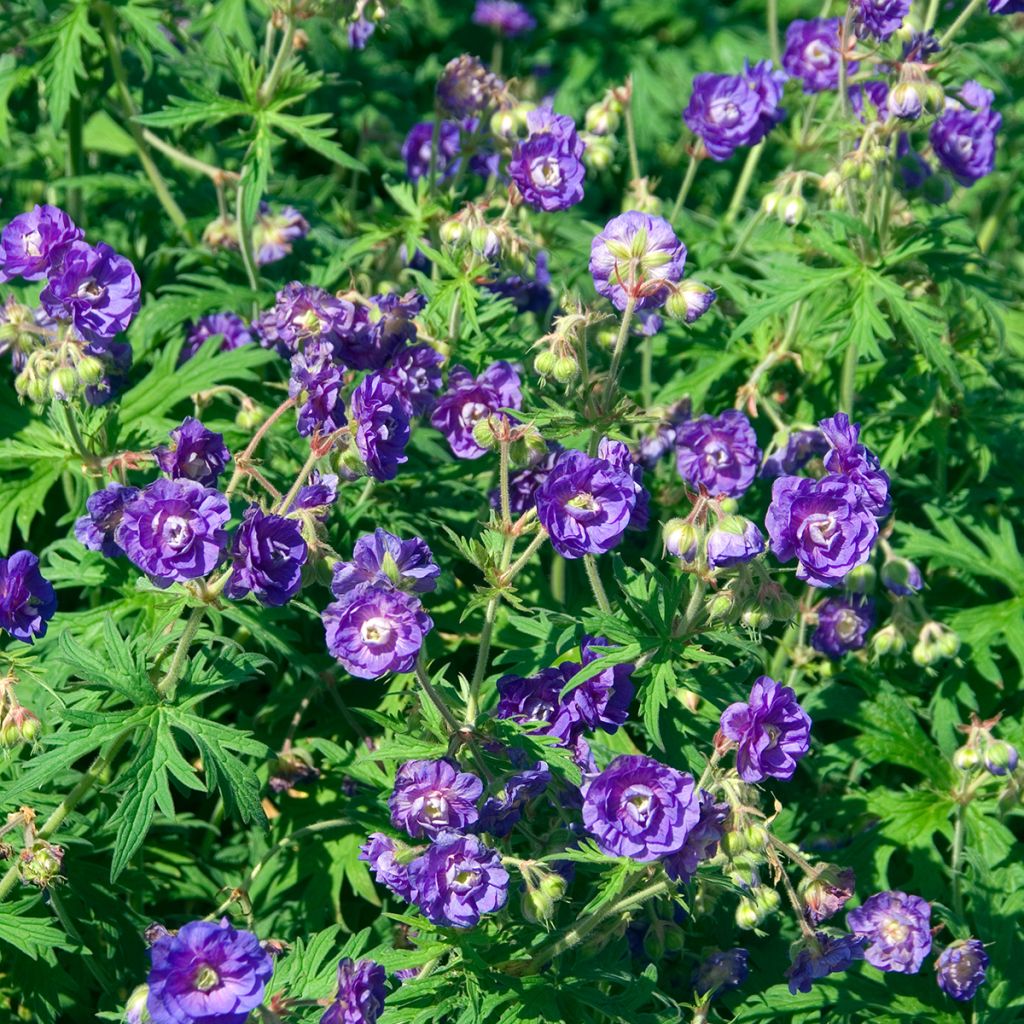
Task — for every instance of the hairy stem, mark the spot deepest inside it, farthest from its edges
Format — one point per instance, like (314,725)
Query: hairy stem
(250,448)
(739,194)
(435,698)
(594,576)
(634,156)
(169,682)
(965,14)
(684,187)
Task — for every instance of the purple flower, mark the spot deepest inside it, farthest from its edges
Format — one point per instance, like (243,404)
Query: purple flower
(898,930)
(96,529)
(585,504)
(379,852)
(547,165)
(718,453)
(702,842)
(359,32)
(523,483)
(876,94)
(721,972)
(728,111)
(417,148)
(35,241)
(416,374)
(197,454)
(275,232)
(230,327)
(374,629)
(602,702)
(319,494)
(960,969)
(732,541)
(267,555)
(847,457)
(690,301)
(208,973)
(964,139)
(504,17)
(617,454)
(458,880)
(799,448)
(116,357)
(302,314)
(653,447)
(879,18)
(771,730)
(315,383)
(500,812)
(384,559)
(469,400)
(530,698)
(361,993)
(431,797)
(94,287)
(27,600)
(821,523)
(381,426)
(528,294)
(640,808)
(827,893)
(636,255)
(818,958)
(843,624)
(812,53)
(901,577)
(173,530)
(466,87)
(379,331)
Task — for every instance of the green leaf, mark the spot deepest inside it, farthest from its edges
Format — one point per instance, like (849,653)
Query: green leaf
(306,129)
(34,936)
(65,62)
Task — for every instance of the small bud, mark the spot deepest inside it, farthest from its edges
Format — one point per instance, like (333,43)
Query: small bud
(599,152)
(862,579)
(654,944)
(40,864)
(747,915)
(483,433)
(867,171)
(37,391)
(566,369)
(756,618)
(966,759)
(756,836)
(451,231)
(1000,757)
(721,607)
(924,654)
(249,416)
(831,182)
(849,168)
(544,363)
(888,640)
(770,203)
(733,844)
(767,900)
(18,726)
(681,539)
(906,100)
(934,97)
(792,211)
(135,1011)
(537,906)
(949,644)
(900,576)
(90,370)
(601,119)
(484,241)
(690,301)
(64,384)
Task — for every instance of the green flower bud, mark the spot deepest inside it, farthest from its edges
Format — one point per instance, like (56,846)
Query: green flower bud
(747,915)
(249,416)
(566,369)
(600,151)
(949,644)
(601,119)
(756,836)
(770,203)
(733,843)
(90,370)
(831,182)
(849,168)
(681,539)
(792,211)
(934,97)
(37,391)
(867,171)
(64,384)
(135,1011)
(756,618)
(40,864)
(544,363)
(721,606)
(654,944)
(966,758)
(923,654)
(537,906)
(484,241)
(888,640)
(483,433)
(729,507)
(451,231)
(861,580)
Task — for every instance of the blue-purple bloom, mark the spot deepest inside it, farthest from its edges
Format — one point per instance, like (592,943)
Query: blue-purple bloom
(843,624)
(960,969)
(384,559)
(964,136)
(718,453)
(1006,6)
(602,702)
(34,242)
(319,494)
(702,842)
(470,399)
(315,384)
(901,577)
(431,797)
(416,374)
(547,166)
(458,880)
(174,530)
(879,18)
(231,328)
(466,87)
(379,852)
(374,629)
(637,256)
(617,454)
(729,111)
(361,993)
(207,973)
(527,294)
(812,53)
(103,514)
(27,599)
(772,732)
(504,17)
(823,524)
(500,812)
(721,972)
(417,148)
(302,314)
(379,330)
(197,454)
(898,929)
(381,426)
(94,287)
(826,954)
(732,541)
(585,504)
(799,447)
(849,458)
(640,808)
(274,233)
(267,555)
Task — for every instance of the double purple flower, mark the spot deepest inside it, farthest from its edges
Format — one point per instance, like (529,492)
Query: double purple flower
(718,453)
(964,136)
(470,399)
(103,514)
(547,166)
(27,600)
(33,242)
(231,328)
(812,53)
(431,797)
(381,421)
(843,624)
(267,555)
(361,993)
(897,927)
(197,454)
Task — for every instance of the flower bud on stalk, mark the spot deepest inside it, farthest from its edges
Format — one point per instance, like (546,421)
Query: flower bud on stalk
(40,864)
(682,540)
(888,640)
(64,384)
(1000,757)
(906,100)
(19,726)
(792,211)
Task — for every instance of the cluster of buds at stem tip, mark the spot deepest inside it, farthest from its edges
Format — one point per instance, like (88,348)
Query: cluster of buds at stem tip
(542,889)
(17,724)
(523,439)
(601,122)
(640,196)
(983,751)
(469,232)
(915,93)
(935,642)
(559,355)
(60,371)
(790,209)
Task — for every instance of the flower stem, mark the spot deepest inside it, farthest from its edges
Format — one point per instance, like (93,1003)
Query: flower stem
(284,51)
(773,30)
(307,468)
(169,682)
(435,698)
(848,384)
(506,501)
(245,242)
(95,772)
(620,346)
(743,184)
(217,174)
(634,156)
(684,187)
(250,448)
(513,570)
(947,36)
(600,595)
(76,435)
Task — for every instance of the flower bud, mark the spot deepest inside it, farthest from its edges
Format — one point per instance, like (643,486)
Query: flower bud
(601,119)
(849,168)
(729,506)
(831,182)
(37,391)
(888,640)
(40,863)
(934,97)
(949,644)
(721,606)
(862,579)
(544,362)
(90,370)
(484,241)
(867,171)
(451,231)
(566,369)
(537,906)
(249,416)
(135,1011)
(681,539)
(600,151)
(756,618)
(770,203)
(792,210)
(906,101)
(900,576)
(966,758)
(733,843)
(767,900)
(747,915)
(690,301)
(64,384)
(483,433)
(1000,757)
(756,836)
(18,726)
(924,654)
